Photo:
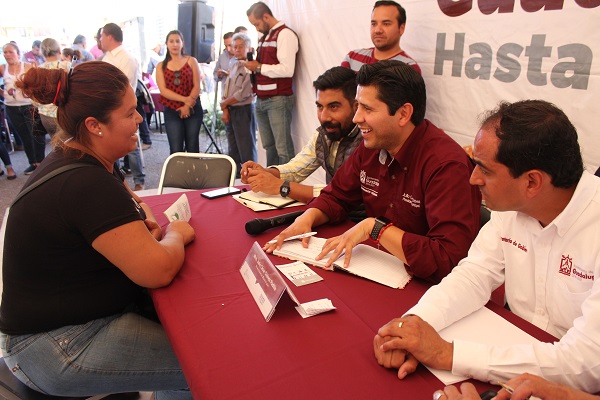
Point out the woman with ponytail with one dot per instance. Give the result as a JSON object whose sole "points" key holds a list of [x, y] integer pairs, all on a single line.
{"points": [[81, 248]]}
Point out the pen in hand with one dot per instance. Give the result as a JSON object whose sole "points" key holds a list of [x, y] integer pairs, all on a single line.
{"points": [[505, 387]]}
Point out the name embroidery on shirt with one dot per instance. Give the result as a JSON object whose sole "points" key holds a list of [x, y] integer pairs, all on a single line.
{"points": [[515, 243], [566, 268], [368, 184], [411, 200]]}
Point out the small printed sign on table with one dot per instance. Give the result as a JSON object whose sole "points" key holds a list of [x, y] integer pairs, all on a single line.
{"points": [[267, 286]]}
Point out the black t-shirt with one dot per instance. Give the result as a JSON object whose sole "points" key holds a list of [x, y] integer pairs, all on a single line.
{"points": [[52, 275]]}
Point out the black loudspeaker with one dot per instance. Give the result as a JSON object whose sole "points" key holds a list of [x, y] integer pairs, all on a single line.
{"points": [[196, 24]]}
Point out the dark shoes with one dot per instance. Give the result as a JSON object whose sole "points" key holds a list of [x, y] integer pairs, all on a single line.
{"points": [[29, 170], [9, 177]]}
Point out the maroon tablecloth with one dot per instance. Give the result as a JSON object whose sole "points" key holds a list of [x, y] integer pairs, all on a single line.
{"points": [[228, 351]]}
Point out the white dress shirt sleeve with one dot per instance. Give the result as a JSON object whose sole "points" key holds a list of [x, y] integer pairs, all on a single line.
{"points": [[287, 47], [573, 360]]}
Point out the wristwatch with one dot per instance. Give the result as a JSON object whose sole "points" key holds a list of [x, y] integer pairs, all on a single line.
{"points": [[258, 68], [380, 224], [284, 190]]}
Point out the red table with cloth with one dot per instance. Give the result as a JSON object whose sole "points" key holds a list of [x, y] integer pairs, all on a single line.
{"points": [[228, 351]]}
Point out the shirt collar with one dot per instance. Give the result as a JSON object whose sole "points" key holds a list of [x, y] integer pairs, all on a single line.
{"points": [[277, 25], [587, 188], [116, 50], [407, 151]]}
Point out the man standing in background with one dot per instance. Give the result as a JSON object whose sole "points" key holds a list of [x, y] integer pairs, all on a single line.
{"points": [[34, 56], [97, 49], [112, 39], [222, 66], [388, 21], [79, 44], [273, 70]]}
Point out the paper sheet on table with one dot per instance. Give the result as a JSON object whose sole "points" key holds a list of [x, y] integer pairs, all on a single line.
{"points": [[311, 308], [179, 210], [315, 307], [299, 273], [256, 206], [483, 326]]}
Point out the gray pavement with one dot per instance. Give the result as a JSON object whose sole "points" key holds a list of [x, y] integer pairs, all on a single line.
{"points": [[154, 158]]}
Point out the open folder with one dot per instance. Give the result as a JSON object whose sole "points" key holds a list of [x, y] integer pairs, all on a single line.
{"points": [[366, 262]]}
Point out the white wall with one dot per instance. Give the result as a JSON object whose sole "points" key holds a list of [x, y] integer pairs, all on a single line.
{"points": [[329, 29]]}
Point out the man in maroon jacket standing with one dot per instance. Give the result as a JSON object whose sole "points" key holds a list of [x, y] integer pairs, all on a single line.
{"points": [[412, 178]]}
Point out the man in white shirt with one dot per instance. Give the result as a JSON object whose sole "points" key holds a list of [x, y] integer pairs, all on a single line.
{"points": [[115, 54], [541, 241], [273, 71]]}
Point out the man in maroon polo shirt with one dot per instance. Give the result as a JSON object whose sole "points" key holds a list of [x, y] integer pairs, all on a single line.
{"points": [[412, 178]]}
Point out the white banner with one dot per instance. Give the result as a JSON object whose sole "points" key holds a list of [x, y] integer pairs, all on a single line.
{"points": [[472, 54]]}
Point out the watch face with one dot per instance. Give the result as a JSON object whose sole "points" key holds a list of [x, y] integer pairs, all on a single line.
{"points": [[284, 190]]}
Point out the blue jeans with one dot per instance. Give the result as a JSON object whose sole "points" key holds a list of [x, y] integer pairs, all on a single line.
{"points": [[183, 134], [241, 135], [4, 155], [274, 118], [143, 126], [120, 353], [137, 169]]}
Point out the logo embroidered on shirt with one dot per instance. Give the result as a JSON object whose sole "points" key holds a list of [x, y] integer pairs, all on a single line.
{"points": [[566, 264], [368, 184], [367, 180], [566, 268]]}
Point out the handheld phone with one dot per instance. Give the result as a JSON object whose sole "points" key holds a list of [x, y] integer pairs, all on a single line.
{"points": [[250, 56], [226, 191]]}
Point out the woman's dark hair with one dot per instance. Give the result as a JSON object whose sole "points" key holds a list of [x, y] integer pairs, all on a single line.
{"points": [[397, 83], [69, 52], [535, 134], [91, 89], [168, 55]]}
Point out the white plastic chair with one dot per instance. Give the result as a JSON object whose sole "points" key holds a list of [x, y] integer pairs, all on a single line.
{"points": [[197, 171]]}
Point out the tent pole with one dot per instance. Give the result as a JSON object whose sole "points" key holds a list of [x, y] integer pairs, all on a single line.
{"points": [[214, 117]]}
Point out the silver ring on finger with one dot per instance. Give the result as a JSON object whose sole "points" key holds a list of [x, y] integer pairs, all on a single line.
{"points": [[438, 394]]}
